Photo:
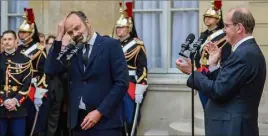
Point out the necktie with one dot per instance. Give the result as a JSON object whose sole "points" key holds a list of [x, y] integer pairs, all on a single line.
{"points": [[85, 54]]}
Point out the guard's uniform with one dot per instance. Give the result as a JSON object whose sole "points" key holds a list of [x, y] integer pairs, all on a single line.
{"points": [[204, 34], [36, 52], [135, 55], [215, 35], [15, 80], [137, 65]]}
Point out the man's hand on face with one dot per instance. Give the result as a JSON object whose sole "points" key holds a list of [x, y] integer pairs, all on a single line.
{"points": [[60, 30], [185, 67]]}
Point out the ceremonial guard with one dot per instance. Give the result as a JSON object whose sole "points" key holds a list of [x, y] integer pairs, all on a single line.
{"points": [[213, 20], [135, 55], [15, 80], [31, 48]]}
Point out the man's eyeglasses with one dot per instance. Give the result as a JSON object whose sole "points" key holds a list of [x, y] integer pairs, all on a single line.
{"points": [[228, 25]]}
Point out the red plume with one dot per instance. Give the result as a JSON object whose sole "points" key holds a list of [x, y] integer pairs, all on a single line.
{"points": [[30, 15], [129, 9], [217, 4]]}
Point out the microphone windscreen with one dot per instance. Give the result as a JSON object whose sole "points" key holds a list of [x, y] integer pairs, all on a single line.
{"points": [[190, 38]]}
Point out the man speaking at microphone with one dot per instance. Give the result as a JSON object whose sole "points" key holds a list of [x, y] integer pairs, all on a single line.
{"points": [[98, 78], [234, 95]]}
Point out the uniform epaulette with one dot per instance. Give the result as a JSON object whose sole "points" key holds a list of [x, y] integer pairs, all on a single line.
{"points": [[138, 41], [40, 46]]}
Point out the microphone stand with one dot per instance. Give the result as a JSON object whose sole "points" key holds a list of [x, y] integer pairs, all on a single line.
{"points": [[69, 92], [67, 65], [193, 52], [192, 56], [69, 74]]}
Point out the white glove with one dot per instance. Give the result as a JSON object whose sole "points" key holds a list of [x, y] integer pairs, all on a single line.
{"points": [[138, 98], [37, 103], [34, 81], [140, 89], [40, 92]]}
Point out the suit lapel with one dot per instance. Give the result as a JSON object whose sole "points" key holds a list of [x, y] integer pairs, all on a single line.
{"points": [[95, 51]]}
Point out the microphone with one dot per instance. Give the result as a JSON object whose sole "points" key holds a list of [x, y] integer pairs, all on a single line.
{"points": [[185, 46], [74, 51], [64, 51], [68, 52], [199, 42]]}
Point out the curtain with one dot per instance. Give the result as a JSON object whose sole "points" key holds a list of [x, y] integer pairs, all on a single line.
{"points": [[149, 29], [16, 7], [149, 26], [183, 23]]}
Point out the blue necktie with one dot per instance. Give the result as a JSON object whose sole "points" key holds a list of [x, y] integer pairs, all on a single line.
{"points": [[85, 55]]}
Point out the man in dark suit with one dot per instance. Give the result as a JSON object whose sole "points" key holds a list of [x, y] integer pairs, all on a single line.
{"points": [[235, 93], [99, 78]]}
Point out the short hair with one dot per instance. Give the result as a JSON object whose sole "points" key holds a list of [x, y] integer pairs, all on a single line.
{"points": [[245, 18], [80, 14], [49, 37], [41, 34], [10, 32]]}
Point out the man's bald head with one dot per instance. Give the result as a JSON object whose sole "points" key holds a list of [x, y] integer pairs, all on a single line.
{"points": [[244, 17], [79, 14]]}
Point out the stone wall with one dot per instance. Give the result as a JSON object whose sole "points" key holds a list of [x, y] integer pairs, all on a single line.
{"points": [[168, 99], [101, 14]]}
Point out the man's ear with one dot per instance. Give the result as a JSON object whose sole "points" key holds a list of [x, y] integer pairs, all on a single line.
{"points": [[240, 27]]}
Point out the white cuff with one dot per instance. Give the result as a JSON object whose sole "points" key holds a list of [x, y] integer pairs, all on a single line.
{"points": [[212, 69]]}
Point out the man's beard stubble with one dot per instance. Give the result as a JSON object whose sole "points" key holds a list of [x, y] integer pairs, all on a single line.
{"points": [[83, 38]]}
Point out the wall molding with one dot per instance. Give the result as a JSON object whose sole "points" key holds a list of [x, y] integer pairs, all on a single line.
{"points": [[168, 82]]}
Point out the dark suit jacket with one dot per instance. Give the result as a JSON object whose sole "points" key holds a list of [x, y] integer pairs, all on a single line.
{"points": [[234, 95], [102, 85]]}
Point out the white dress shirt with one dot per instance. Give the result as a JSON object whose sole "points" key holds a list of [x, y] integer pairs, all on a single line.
{"points": [[91, 43]]}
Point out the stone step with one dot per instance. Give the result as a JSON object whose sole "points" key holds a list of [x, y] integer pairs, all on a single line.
{"points": [[263, 115], [185, 128], [263, 129], [156, 132], [199, 120], [263, 118]]}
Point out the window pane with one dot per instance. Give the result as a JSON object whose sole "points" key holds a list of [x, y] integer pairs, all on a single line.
{"points": [[14, 23], [155, 4], [185, 4], [149, 29], [17, 6], [183, 23]]}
